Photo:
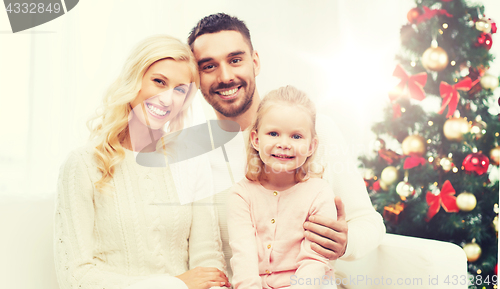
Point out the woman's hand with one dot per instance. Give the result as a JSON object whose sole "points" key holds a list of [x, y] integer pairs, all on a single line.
{"points": [[204, 278]]}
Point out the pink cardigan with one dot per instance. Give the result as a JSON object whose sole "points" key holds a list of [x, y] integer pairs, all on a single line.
{"points": [[266, 233]]}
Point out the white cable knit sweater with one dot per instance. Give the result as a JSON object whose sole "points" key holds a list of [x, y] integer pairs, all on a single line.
{"points": [[138, 235]]}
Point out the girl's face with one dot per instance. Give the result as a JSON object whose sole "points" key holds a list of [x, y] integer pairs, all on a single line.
{"points": [[163, 90], [284, 139]]}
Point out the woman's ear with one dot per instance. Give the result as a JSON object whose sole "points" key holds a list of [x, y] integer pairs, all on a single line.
{"points": [[313, 146], [254, 139]]}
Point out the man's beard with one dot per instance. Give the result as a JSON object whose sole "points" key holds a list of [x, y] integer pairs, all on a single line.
{"points": [[226, 108]]}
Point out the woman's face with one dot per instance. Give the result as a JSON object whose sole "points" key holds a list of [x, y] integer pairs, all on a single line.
{"points": [[164, 88]]}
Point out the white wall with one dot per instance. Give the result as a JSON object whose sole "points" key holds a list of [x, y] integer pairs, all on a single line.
{"points": [[52, 77]]}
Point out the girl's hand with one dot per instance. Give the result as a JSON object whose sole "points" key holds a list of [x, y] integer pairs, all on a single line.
{"points": [[204, 278]]}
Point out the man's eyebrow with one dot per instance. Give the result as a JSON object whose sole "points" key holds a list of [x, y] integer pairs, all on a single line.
{"points": [[232, 54], [204, 60], [236, 53]]}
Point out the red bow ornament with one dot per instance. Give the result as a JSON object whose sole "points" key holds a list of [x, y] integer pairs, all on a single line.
{"points": [[493, 26], [450, 94], [428, 14], [445, 198], [413, 160], [415, 84]]}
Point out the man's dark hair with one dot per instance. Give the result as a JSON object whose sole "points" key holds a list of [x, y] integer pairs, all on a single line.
{"points": [[219, 22]]}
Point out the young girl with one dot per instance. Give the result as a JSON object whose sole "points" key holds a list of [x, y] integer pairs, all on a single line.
{"points": [[119, 224], [267, 210]]}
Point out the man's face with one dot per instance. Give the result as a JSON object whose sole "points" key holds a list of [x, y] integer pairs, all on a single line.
{"points": [[227, 71]]}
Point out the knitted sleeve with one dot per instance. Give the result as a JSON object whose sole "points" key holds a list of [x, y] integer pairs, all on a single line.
{"points": [[365, 226], [74, 240]]}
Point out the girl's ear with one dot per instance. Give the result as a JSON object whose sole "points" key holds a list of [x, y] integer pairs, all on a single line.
{"points": [[313, 146], [254, 139]]}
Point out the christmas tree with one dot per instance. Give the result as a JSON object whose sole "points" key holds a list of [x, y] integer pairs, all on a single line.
{"points": [[440, 178]]}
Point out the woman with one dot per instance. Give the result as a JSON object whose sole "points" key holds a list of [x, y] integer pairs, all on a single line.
{"points": [[119, 224]]}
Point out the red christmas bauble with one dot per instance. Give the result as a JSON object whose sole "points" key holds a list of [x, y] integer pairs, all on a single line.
{"points": [[476, 162], [413, 14], [484, 40]]}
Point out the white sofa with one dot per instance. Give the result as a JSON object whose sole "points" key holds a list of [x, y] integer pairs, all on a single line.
{"points": [[26, 255]]}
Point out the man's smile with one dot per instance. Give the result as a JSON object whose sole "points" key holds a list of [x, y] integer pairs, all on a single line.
{"points": [[228, 94]]}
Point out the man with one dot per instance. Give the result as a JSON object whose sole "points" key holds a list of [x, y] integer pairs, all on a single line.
{"points": [[228, 65]]}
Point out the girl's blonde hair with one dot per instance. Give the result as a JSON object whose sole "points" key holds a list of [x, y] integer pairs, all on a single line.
{"points": [[113, 116], [291, 96]]}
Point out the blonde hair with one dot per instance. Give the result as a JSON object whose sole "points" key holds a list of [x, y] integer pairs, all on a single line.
{"points": [[112, 117], [287, 95]]}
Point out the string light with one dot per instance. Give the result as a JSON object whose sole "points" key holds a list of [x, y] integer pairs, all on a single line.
{"points": [[453, 62], [445, 25], [413, 64], [455, 170], [403, 109], [431, 159], [440, 31], [429, 141], [430, 123]]}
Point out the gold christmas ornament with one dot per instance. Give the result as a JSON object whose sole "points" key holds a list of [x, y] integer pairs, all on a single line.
{"points": [[368, 174], [383, 185], [446, 164], [478, 128], [495, 223], [405, 189], [495, 155], [389, 175], [414, 144], [466, 201], [472, 251], [435, 58], [455, 128], [489, 81], [483, 25]]}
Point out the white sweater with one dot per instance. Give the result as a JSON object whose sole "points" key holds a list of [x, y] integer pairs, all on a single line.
{"points": [[365, 226], [138, 235]]}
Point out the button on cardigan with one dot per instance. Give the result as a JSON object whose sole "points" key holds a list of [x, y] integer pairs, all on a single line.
{"points": [[266, 233]]}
